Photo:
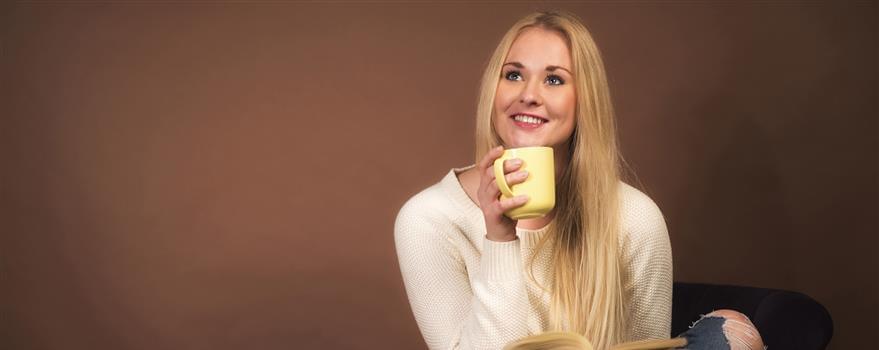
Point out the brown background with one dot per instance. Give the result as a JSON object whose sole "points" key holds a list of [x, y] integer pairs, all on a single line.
{"points": [[226, 176]]}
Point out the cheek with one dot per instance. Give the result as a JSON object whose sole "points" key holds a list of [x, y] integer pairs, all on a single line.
{"points": [[571, 111], [564, 106], [502, 101], [571, 100], [502, 98]]}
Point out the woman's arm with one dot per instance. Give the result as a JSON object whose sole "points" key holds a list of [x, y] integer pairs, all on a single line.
{"points": [[649, 259], [451, 312]]}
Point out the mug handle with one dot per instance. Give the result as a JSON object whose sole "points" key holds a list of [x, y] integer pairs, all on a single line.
{"points": [[500, 179]]}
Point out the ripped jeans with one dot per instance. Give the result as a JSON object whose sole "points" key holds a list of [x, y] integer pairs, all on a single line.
{"points": [[719, 330]]}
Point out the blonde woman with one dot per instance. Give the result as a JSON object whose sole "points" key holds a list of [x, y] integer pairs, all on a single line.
{"points": [[598, 265]]}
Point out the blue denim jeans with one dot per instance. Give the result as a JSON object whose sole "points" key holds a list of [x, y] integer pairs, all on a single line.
{"points": [[707, 334]]}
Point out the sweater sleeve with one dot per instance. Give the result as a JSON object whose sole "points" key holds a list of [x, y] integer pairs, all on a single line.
{"points": [[453, 311], [650, 262]]}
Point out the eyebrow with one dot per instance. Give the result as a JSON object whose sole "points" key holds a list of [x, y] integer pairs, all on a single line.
{"points": [[548, 68]]}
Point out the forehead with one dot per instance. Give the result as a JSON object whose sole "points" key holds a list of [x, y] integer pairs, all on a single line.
{"points": [[538, 48]]}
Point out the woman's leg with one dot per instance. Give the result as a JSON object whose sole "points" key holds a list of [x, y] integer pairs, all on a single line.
{"points": [[723, 329]]}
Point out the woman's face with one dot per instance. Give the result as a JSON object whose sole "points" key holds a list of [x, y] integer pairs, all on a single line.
{"points": [[535, 100]]}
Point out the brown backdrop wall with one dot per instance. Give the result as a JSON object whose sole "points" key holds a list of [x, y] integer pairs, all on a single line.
{"points": [[226, 176]]}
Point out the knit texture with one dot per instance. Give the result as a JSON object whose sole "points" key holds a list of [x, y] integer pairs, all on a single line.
{"points": [[468, 292]]}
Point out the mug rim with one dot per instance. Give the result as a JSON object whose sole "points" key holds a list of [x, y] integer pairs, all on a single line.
{"points": [[526, 147]]}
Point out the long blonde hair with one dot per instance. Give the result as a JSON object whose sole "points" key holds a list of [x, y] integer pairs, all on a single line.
{"points": [[586, 288]]}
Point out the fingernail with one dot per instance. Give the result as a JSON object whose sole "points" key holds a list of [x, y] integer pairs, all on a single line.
{"points": [[516, 161], [523, 174], [523, 198]]}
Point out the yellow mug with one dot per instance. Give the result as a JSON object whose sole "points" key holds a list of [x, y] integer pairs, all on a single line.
{"points": [[539, 186]]}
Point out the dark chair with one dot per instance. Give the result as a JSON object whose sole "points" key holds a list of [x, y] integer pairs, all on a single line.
{"points": [[785, 319]]}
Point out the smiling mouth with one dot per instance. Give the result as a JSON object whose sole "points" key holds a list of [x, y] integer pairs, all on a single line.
{"points": [[528, 121]]}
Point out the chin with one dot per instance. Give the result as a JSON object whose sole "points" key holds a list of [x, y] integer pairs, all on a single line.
{"points": [[518, 143]]}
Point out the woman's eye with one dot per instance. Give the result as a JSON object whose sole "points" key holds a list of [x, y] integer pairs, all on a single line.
{"points": [[513, 75], [554, 80]]}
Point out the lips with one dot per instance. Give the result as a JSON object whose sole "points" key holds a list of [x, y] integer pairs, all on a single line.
{"points": [[528, 121]]}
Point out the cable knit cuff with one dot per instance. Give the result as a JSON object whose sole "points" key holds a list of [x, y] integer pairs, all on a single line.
{"points": [[501, 261]]}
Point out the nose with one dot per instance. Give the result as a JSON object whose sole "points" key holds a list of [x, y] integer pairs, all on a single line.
{"points": [[530, 94]]}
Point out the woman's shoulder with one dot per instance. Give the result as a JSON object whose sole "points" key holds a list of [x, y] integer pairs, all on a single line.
{"points": [[440, 203], [429, 200], [641, 217]]}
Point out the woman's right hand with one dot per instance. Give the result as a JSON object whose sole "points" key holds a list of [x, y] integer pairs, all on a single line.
{"points": [[498, 227]]}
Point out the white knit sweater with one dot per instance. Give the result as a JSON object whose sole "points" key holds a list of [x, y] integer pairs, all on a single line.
{"points": [[468, 292]]}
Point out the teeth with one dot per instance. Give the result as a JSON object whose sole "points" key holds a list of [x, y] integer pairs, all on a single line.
{"points": [[528, 119]]}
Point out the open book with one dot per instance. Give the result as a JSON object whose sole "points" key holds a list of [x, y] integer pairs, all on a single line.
{"points": [[574, 341]]}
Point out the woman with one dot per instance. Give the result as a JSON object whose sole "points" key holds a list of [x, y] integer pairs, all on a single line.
{"points": [[598, 265]]}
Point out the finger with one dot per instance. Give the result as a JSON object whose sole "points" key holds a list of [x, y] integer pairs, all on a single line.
{"points": [[510, 165], [516, 177], [487, 177], [488, 158], [510, 203], [492, 190], [488, 173], [488, 193]]}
